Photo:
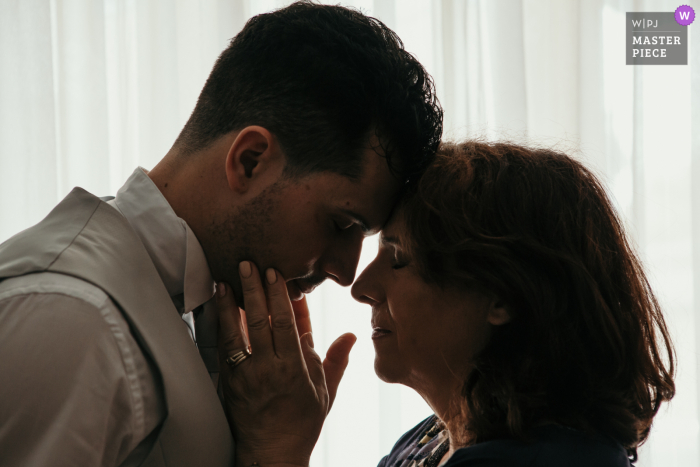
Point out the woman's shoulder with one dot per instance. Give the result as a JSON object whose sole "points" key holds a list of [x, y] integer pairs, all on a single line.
{"points": [[551, 445]]}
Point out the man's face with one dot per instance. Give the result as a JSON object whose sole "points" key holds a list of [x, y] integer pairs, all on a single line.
{"points": [[309, 228]]}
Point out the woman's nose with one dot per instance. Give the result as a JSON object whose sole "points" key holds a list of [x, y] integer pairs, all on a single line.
{"points": [[366, 289]]}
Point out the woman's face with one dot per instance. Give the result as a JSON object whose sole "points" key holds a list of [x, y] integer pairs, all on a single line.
{"points": [[423, 334]]}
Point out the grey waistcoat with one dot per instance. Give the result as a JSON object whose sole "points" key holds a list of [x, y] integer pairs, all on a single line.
{"points": [[88, 239]]}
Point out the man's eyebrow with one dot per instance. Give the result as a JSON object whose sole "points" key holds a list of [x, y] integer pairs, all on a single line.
{"points": [[359, 219]]}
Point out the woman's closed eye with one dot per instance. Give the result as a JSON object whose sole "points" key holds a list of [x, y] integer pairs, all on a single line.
{"points": [[391, 248], [399, 261]]}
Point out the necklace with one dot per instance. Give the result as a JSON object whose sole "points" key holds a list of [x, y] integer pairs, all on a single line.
{"points": [[436, 456]]}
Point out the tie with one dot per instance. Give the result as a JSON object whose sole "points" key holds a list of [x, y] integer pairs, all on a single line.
{"points": [[205, 329]]}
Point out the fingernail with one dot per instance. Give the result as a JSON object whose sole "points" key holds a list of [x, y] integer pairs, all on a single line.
{"points": [[221, 289], [311, 339], [271, 276], [245, 269]]}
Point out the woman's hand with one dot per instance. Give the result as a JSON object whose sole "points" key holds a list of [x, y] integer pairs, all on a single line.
{"points": [[278, 398]]}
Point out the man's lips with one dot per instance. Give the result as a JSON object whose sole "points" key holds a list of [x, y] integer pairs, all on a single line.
{"points": [[296, 290]]}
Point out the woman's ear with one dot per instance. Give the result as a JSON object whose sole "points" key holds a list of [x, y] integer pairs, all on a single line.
{"points": [[499, 312], [253, 156]]}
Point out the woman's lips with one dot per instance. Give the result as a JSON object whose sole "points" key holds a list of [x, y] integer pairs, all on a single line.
{"points": [[378, 333]]}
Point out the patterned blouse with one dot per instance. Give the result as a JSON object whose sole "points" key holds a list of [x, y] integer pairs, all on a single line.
{"points": [[550, 446], [422, 446]]}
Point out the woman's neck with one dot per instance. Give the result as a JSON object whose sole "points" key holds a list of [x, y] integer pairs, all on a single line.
{"points": [[449, 406]]}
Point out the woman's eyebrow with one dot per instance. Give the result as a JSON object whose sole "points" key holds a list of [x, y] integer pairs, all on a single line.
{"points": [[389, 240], [358, 219]]}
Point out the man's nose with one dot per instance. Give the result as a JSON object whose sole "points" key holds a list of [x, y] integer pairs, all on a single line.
{"points": [[342, 261]]}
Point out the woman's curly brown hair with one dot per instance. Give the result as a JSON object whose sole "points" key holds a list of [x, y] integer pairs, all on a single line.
{"points": [[587, 346]]}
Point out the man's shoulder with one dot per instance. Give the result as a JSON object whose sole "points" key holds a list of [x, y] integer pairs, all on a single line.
{"points": [[59, 285], [60, 325], [72, 366], [37, 247], [55, 312]]}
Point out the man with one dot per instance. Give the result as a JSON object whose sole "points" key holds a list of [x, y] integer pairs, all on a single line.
{"points": [[307, 128]]}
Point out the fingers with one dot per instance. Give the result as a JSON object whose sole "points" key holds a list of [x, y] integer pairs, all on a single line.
{"points": [[302, 316], [270, 318], [231, 337], [284, 330], [337, 358], [313, 363], [256, 313]]}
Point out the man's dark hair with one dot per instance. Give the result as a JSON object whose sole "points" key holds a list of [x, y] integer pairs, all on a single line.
{"points": [[322, 79]]}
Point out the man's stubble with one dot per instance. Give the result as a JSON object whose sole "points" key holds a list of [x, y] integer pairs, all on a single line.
{"points": [[244, 234]]}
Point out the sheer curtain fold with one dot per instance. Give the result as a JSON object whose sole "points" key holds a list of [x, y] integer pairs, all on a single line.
{"points": [[695, 197], [28, 183], [80, 90], [91, 88]]}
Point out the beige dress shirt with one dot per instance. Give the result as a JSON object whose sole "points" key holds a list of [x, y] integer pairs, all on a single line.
{"points": [[76, 388]]}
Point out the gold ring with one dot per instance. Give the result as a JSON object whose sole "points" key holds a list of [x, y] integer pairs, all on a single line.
{"points": [[234, 360]]}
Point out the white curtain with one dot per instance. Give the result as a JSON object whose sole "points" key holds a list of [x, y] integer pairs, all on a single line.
{"points": [[89, 89]]}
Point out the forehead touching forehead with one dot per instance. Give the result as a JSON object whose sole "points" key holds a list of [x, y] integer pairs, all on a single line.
{"points": [[394, 232]]}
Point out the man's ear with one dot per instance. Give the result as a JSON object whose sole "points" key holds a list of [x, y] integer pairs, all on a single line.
{"points": [[499, 312], [254, 157]]}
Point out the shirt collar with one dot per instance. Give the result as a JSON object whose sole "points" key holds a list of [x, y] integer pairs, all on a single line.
{"points": [[169, 241]]}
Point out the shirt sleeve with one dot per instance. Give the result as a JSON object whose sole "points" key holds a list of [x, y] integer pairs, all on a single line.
{"points": [[75, 387]]}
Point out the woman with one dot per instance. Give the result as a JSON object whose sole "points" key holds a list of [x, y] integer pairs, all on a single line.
{"points": [[506, 293]]}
